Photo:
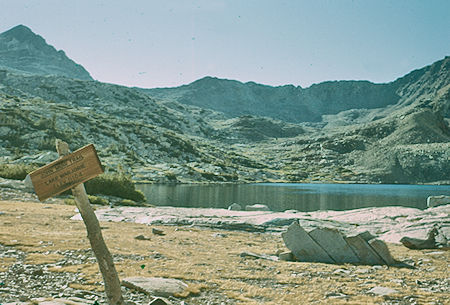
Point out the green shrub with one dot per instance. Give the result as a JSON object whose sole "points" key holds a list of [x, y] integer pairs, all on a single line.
{"points": [[15, 171], [70, 201], [119, 185], [92, 199], [98, 200], [127, 202], [131, 203], [171, 176]]}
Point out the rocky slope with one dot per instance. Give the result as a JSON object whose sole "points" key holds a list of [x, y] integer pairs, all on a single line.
{"points": [[412, 145], [148, 139], [23, 50], [255, 129], [333, 131]]}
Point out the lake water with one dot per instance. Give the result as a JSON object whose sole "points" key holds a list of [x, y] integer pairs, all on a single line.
{"points": [[297, 196]]}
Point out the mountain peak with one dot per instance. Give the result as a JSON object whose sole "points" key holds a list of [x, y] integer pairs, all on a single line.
{"points": [[19, 31], [24, 34], [26, 51]]}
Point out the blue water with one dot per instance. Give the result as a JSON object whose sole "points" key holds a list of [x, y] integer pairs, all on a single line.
{"points": [[286, 196]]}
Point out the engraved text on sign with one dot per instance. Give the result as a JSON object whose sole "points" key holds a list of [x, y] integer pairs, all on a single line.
{"points": [[66, 172]]}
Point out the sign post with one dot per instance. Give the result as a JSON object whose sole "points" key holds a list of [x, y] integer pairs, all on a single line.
{"points": [[69, 172]]}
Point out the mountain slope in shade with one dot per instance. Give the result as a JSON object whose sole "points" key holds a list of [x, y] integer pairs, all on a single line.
{"points": [[23, 50], [287, 103]]}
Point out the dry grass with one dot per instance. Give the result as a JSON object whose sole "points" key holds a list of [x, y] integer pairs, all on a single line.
{"points": [[210, 263], [6, 262]]}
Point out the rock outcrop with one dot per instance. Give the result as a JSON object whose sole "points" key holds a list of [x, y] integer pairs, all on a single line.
{"points": [[433, 201], [431, 242], [256, 129], [389, 224], [327, 245], [156, 286]]}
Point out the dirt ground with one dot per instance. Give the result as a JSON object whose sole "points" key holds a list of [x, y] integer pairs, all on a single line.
{"points": [[210, 262]]}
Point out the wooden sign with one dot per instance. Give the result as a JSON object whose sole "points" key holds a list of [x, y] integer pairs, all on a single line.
{"points": [[66, 172]]}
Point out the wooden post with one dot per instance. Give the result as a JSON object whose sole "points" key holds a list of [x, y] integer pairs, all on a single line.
{"points": [[104, 258]]}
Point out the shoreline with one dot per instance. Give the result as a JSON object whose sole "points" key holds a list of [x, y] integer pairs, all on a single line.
{"points": [[389, 224], [135, 181]]}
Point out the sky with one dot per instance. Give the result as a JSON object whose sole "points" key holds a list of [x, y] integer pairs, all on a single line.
{"points": [[167, 43]]}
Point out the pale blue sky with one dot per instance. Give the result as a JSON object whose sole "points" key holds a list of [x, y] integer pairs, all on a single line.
{"points": [[149, 43]]}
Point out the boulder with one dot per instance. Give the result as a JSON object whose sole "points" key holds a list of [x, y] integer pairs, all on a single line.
{"points": [[156, 286], [365, 253], [141, 237], [328, 245], [417, 243], [433, 201], [332, 241], [261, 256], [303, 247], [158, 231], [286, 256], [383, 251], [366, 235], [382, 291], [159, 301], [28, 184], [257, 207], [235, 207]]}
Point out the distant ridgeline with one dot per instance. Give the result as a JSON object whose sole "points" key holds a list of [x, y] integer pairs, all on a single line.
{"points": [[296, 104], [219, 130]]}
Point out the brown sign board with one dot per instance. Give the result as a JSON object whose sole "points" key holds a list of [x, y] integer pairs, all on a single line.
{"points": [[66, 172]]}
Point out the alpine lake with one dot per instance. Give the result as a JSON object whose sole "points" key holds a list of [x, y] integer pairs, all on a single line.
{"points": [[292, 196]]}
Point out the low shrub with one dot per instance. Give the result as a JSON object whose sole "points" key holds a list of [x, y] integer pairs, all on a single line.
{"points": [[15, 171], [171, 176], [127, 202], [112, 184], [98, 200], [118, 185], [92, 199], [70, 201]]}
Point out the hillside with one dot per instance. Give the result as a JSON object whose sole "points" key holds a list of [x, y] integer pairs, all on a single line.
{"points": [[128, 127], [225, 131], [168, 142]]}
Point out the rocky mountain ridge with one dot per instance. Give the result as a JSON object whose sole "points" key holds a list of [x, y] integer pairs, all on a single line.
{"points": [[287, 103], [351, 131], [296, 104]]}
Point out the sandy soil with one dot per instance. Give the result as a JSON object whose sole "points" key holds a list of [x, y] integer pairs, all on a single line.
{"points": [[209, 261]]}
